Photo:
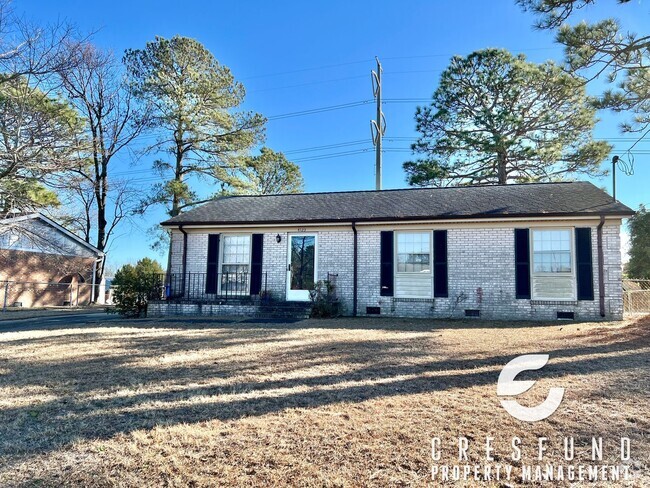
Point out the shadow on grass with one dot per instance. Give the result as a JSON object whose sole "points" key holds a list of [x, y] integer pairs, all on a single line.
{"points": [[218, 322], [104, 394]]}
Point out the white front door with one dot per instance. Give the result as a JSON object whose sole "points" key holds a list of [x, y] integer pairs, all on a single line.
{"points": [[301, 266]]}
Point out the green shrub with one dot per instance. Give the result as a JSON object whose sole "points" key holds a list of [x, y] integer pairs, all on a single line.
{"points": [[136, 285], [325, 304]]}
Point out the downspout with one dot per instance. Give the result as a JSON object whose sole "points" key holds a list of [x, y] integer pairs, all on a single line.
{"points": [[354, 271], [601, 266], [184, 262]]}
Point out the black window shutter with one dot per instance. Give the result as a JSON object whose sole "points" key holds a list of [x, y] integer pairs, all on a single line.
{"points": [[256, 263], [584, 266], [212, 273], [440, 273], [387, 259], [522, 263]]}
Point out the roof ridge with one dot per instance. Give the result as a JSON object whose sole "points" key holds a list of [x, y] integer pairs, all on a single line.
{"points": [[525, 199], [460, 187]]}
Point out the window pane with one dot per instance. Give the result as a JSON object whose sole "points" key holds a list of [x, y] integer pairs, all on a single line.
{"points": [[235, 254], [414, 252], [303, 261], [552, 251], [235, 265], [234, 280]]}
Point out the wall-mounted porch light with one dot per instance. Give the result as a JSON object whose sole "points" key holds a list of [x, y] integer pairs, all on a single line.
{"points": [[278, 238]]}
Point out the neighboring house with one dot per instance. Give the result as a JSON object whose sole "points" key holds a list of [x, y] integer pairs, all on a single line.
{"points": [[529, 251], [44, 264]]}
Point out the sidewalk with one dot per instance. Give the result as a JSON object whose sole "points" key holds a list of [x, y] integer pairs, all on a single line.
{"points": [[29, 313]]}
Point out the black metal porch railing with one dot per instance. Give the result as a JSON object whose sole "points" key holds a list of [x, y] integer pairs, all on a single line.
{"points": [[208, 287]]}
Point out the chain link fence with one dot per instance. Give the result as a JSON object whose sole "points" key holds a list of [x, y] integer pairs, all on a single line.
{"points": [[636, 296]]}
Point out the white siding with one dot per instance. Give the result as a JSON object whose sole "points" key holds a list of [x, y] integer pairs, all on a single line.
{"points": [[34, 235]]}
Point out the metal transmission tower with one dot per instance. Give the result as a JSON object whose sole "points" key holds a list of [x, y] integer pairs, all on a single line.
{"points": [[378, 126]]}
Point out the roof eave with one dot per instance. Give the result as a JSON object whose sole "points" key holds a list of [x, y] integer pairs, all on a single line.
{"points": [[618, 214], [56, 226]]}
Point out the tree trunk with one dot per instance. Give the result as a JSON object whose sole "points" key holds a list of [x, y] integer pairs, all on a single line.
{"points": [[178, 171], [502, 165], [101, 183], [178, 176]]}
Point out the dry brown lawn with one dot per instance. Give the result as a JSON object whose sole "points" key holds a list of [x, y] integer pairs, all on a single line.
{"points": [[317, 403]]}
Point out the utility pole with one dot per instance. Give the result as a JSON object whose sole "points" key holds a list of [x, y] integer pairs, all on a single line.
{"points": [[378, 126], [614, 161]]}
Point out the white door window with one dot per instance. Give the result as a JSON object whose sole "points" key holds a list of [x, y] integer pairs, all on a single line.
{"points": [[301, 266]]}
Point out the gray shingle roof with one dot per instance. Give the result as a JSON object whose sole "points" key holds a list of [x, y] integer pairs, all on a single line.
{"points": [[525, 200]]}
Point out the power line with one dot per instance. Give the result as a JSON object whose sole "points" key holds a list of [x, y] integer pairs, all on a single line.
{"points": [[358, 142], [320, 157], [333, 155], [302, 70], [422, 56], [319, 110], [151, 171], [367, 60], [406, 100], [307, 84], [414, 71], [343, 106], [329, 146], [157, 179]]}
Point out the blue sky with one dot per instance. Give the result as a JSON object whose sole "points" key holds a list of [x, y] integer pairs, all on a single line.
{"points": [[295, 56]]}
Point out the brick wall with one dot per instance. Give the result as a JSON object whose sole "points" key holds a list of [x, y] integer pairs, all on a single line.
{"points": [[35, 279], [274, 264], [335, 256], [161, 309], [481, 274]]}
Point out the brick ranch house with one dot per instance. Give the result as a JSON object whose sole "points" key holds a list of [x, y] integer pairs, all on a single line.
{"points": [[43, 264], [528, 251]]}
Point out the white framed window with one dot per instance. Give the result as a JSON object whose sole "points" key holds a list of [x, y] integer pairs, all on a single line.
{"points": [[413, 264], [413, 252], [235, 264], [552, 264], [552, 251]]}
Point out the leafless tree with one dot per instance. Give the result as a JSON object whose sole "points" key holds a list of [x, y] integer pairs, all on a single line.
{"points": [[96, 87], [31, 50]]}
